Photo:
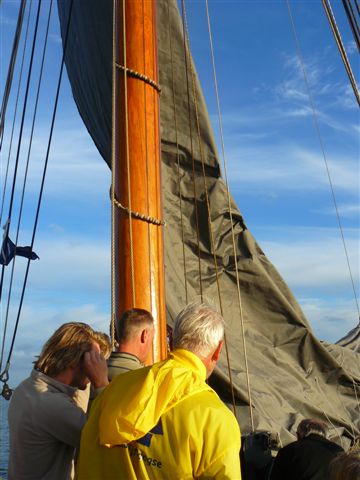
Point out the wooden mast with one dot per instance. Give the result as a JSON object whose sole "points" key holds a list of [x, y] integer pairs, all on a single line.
{"points": [[138, 243]]}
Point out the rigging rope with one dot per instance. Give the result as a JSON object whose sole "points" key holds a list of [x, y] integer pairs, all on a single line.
{"points": [[352, 21], [212, 243], [113, 173], [25, 178], [133, 291], [21, 131], [321, 142], [11, 68], [340, 44], [4, 375], [231, 217], [187, 59], [177, 157], [15, 114]]}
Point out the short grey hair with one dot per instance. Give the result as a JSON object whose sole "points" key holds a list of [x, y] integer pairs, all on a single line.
{"points": [[198, 328]]}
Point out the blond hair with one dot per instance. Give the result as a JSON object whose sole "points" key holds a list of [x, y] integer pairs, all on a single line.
{"points": [[66, 347], [346, 466]]}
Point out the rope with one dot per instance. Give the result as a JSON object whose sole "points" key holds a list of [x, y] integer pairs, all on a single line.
{"points": [[231, 219], [42, 181], [317, 128], [339, 42], [352, 21], [21, 130], [128, 162], [15, 113], [331, 407], [25, 177], [11, 68], [178, 159], [188, 60], [113, 173], [139, 216], [147, 218], [212, 243], [139, 76]]}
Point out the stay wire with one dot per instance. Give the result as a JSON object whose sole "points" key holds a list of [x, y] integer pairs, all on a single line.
{"points": [[11, 69], [25, 177], [41, 189], [187, 60], [113, 172], [340, 45], [177, 156], [21, 130], [211, 233], [231, 218], [352, 21], [133, 291], [147, 164], [321, 142], [15, 112]]}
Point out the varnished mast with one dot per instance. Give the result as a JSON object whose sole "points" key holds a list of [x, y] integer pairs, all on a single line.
{"points": [[139, 271]]}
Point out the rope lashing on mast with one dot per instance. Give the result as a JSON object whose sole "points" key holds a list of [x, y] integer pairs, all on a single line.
{"points": [[139, 76], [322, 146], [139, 216], [340, 45]]}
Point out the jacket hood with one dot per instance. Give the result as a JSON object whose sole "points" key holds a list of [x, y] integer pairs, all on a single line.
{"points": [[133, 402]]}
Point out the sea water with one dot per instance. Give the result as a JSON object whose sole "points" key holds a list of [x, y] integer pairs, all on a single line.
{"points": [[4, 438]]}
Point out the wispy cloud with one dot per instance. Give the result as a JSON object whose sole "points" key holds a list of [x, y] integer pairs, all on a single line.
{"points": [[329, 320], [315, 259], [346, 210], [289, 167]]}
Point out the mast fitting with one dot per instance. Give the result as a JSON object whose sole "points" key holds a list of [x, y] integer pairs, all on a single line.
{"points": [[139, 76], [139, 216]]}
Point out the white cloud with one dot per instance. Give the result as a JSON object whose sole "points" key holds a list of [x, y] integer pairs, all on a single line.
{"points": [[290, 167], [330, 321], [346, 210], [315, 259]]}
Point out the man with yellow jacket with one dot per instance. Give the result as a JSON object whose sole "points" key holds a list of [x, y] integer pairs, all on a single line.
{"points": [[164, 421]]}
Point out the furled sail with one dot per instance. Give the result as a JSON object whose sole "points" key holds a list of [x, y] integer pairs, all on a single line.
{"points": [[292, 374]]}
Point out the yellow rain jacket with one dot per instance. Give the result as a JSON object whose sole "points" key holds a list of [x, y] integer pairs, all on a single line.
{"points": [[160, 422]]}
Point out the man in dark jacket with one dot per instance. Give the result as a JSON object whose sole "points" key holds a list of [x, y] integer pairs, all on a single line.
{"points": [[309, 457]]}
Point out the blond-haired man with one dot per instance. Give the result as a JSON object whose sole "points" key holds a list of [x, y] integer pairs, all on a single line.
{"points": [[45, 414], [164, 421]]}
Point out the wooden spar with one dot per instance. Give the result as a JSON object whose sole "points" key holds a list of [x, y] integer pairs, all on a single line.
{"points": [[139, 270]]}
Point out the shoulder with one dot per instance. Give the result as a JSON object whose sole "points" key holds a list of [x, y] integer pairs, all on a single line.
{"points": [[207, 409]]}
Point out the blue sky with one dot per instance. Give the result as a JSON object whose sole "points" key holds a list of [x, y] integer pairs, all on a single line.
{"points": [[278, 176]]}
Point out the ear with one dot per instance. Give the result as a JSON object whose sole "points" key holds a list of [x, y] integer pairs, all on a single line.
{"points": [[216, 355], [143, 335]]}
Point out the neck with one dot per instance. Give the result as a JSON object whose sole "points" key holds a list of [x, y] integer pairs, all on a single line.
{"points": [[129, 347]]}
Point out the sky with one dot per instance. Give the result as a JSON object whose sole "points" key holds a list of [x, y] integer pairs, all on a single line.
{"points": [[278, 176]]}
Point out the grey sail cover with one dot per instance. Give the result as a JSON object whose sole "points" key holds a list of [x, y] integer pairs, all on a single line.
{"points": [[292, 374]]}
